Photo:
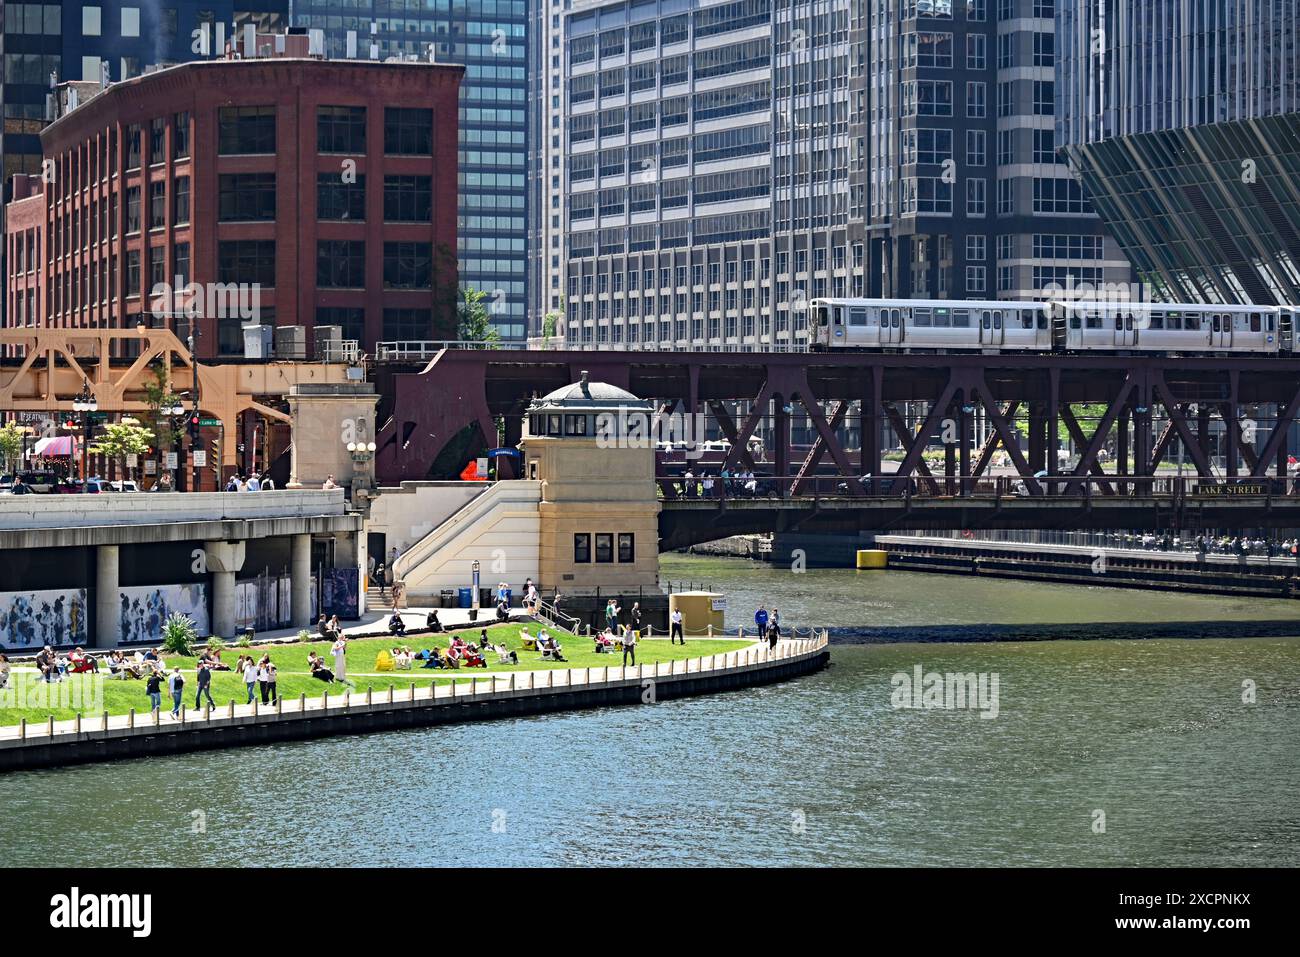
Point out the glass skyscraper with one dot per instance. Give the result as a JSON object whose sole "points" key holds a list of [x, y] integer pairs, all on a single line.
{"points": [[489, 38], [1182, 119]]}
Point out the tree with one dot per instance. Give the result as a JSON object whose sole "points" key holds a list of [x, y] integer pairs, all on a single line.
{"points": [[120, 439], [11, 445], [157, 393], [475, 322]]}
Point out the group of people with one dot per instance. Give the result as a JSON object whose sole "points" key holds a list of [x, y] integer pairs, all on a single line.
{"points": [[727, 482], [769, 625], [257, 673], [254, 483], [56, 667], [545, 642]]}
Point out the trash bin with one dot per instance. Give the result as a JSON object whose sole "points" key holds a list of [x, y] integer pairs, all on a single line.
{"points": [[466, 597], [473, 614], [448, 598]]}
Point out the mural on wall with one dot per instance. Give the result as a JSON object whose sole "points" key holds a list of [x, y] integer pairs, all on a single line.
{"points": [[35, 618], [340, 592], [145, 608]]}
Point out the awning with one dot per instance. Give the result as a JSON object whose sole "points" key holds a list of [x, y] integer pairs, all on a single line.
{"points": [[55, 446]]}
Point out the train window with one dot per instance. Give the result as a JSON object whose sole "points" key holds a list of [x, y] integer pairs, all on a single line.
{"points": [[1218, 323], [857, 317], [1191, 322], [997, 320], [960, 319], [839, 315], [821, 315], [1269, 324], [1157, 320], [1026, 319], [1256, 323], [942, 319], [1119, 322], [986, 320], [921, 317], [896, 318], [1042, 320], [1075, 321], [1093, 321]]}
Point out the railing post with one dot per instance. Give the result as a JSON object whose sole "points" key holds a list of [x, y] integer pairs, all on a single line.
{"points": [[390, 694], [49, 726], [22, 726], [104, 725], [302, 702], [79, 724], [230, 711]]}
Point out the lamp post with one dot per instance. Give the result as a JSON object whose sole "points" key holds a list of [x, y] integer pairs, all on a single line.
{"points": [[173, 409], [85, 403]]}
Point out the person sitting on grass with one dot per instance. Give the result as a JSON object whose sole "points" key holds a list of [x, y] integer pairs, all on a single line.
{"points": [[119, 666], [549, 647], [318, 669], [395, 624], [504, 655], [454, 654], [604, 642], [80, 662], [402, 658], [324, 630], [432, 659], [474, 657]]}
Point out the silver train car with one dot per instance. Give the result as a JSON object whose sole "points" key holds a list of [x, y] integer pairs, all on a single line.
{"points": [[946, 325]]}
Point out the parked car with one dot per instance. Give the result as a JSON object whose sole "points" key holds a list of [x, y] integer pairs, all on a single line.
{"points": [[123, 485]]}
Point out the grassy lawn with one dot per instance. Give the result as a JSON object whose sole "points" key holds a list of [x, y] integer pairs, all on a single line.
{"points": [[295, 677]]}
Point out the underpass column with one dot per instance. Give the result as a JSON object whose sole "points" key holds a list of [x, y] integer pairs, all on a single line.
{"points": [[107, 619], [224, 560], [300, 581]]}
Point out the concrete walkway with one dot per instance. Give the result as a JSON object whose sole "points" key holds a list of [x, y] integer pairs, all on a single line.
{"points": [[468, 684]]}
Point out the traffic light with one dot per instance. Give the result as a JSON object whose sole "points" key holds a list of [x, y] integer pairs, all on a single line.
{"points": [[194, 427]]}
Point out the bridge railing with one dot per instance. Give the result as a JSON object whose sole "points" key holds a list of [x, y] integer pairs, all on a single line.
{"points": [[411, 350], [714, 487]]}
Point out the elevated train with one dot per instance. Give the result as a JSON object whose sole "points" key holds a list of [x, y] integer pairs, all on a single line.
{"points": [[1057, 326]]}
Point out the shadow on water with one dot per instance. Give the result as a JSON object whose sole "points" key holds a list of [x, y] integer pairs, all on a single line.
{"points": [[1074, 631]]}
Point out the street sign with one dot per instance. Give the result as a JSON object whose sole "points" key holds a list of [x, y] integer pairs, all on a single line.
{"points": [[200, 458], [210, 423], [131, 459], [171, 461], [150, 467]]}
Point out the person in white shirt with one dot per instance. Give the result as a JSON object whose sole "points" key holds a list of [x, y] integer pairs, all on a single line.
{"points": [[340, 650], [253, 484], [250, 678], [629, 645], [677, 629]]}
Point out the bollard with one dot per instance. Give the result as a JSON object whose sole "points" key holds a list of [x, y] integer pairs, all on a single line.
{"points": [[255, 708], [368, 694], [22, 729], [710, 629], [412, 692], [588, 630], [230, 713], [207, 713], [453, 687], [49, 726], [511, 686], [78, 724], [473, 687], [182, 714], [390, 694], [302, 702], [279, 705], [157, 715], [325, 701], [130, 719], [104, 725]]}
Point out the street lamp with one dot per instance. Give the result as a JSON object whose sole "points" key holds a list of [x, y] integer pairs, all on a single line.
{"points": [[85, 403]]}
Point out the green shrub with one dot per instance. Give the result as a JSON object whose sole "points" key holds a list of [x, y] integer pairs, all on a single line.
{"points": [[304, 635], [244, 641], [216, 644], [178, 634]]}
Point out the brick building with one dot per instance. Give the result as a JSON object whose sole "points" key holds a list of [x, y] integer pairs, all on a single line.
{"points": [[282, 189]]}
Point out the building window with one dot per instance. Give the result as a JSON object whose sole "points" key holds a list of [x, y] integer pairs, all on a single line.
{"points": [[408, 199], [181, 263], [130, 21], [245, 197], [246, 261], [246, 130], [181, 136], [408, 131], [91, 27], [157, 141], [976, 147], [976, 51], [626, 547], [975, 196], [181, 200], [132, 273], [337, 200], [341, 129], [1044, 97], [408, 324], [604, 548], [340, 264], [133, 147], [582, 549], [351, 320], [133, 209], [408, 265], [158, 204], [977, 105]]}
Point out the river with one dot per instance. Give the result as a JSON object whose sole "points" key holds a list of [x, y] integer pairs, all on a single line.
{"points": [[1142, 751]]}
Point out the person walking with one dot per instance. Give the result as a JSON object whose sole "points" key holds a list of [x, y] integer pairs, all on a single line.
{"points": [[264, 678], [677, 627], [776, 620], [253, 484], [380, 572], [760, 620], [635, 615], [203, 682], [250, 678], [772, 636], [340, 650], [629, 645], [153, 688], [176, 685], [272, 678]]}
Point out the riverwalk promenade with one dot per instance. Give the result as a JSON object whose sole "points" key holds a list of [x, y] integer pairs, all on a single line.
{"points": [[107, 737]]}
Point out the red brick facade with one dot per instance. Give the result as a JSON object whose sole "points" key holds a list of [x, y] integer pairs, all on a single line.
{"points": [[108, 245]]}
